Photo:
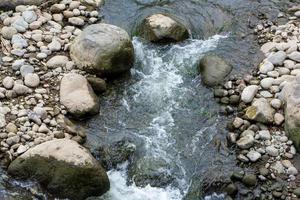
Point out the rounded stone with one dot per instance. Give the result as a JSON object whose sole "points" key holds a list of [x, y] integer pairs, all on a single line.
{"points": [[108, 50], [31, 80]]}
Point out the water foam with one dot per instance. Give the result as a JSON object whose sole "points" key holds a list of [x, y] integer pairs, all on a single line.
{"points": [[159, 73]]}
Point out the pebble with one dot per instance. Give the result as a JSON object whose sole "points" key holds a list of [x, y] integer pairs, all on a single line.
{"points": [[249, 93], [31, 80], [8, 82], [253, 155]]}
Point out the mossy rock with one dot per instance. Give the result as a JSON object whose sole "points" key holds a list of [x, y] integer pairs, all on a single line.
{"points": [[63, 176]]}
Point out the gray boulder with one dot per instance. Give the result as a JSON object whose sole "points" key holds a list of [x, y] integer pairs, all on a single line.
{"points": [[291, 97], [11, 4], [108, 50], [64, 168], [162, 28], [213, 70], [77, 96]]}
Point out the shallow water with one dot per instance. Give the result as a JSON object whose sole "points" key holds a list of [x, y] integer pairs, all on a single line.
{"points": [[163, 108], [169, 114]]}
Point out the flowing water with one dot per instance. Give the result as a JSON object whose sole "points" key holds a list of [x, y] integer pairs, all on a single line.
{"points": [[163, 108], [174, 117]]}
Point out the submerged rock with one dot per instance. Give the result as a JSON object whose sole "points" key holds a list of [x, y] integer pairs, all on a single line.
{"points": [[77, 96], [64, 168], [162, 28], [108, 50], [213, 70]]}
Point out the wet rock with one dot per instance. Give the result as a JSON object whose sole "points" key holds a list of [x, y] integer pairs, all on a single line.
{"points": [[261, 111], [77, 95], [231, 189], [98, 84], [108, 50], [249, 180], [249, 93], [159, 27], [64, 168], [245, 142], [115, 154], [297, 192], [213, 69]]}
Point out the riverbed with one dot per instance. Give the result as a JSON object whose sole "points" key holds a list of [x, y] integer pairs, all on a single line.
{"points": [[162, 107]]}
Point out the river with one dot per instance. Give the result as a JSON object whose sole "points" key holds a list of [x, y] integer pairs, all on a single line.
{"points": [[163, 108]]}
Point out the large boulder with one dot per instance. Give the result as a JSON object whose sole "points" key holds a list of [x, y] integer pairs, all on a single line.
{"points": [[10, 4], [103, 49], [213, 70], [64, 168], [261, 111], [291, 96], [77, 96], [161, 28]]}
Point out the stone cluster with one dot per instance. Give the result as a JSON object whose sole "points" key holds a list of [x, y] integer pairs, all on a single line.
{"points": [[267, 104], [35, 43]]}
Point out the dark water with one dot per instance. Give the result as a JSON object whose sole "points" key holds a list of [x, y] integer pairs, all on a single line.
{"points": [[163, 108]]}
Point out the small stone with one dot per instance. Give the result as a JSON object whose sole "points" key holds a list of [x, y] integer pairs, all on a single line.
{"points": [[272, 151], [21, 149], [29, 16], [31, 80], [231, 189], [11, 128], [26, 69], [292, 171], [263, 171], [297, 192], [245, 142], [295, 56], [76, 21], [266, 67], [266, 83], [43, 129], [249, 93], [8, 32], [57, 61], [278, 119], [277, 58], [253, 155], [8, 82], [20, 89], [249, 180], [57, 8], [276, 103], [54, 45], [238, 122], [264, 135]]}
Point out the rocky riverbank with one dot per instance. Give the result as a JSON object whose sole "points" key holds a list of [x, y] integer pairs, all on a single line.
{"points": [[40, 85], [265, 127]]}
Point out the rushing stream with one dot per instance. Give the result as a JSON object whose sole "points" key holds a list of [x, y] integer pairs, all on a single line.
{"points": [[163, 109], [174, 118]]}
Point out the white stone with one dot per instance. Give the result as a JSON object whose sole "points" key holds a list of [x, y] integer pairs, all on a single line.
{"points": [[253, 155], [249, 93]]}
